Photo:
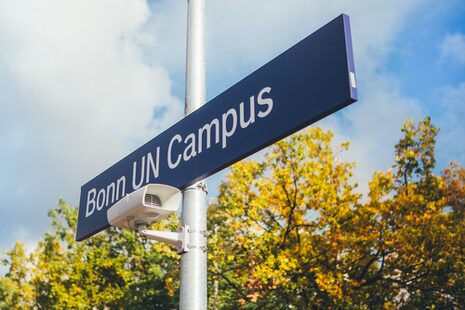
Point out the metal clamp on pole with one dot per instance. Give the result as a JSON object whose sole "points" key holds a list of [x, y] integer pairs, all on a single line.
{"points": [[198, 240], [181, 239], [199, 185]]}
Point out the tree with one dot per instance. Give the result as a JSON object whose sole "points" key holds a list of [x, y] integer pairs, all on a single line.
{"points": [[15, 291], [114, 269], [417, 236], [279, 226], [291, 232]]}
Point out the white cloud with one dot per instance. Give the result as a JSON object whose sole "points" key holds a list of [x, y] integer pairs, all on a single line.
{"points": [[453, 46], [76, 96]]}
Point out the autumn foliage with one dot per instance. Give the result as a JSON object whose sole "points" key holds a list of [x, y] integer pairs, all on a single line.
{"points": [[290, 231]]}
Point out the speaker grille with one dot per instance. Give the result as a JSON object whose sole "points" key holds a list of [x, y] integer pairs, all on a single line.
{"points": [[152, 200]]}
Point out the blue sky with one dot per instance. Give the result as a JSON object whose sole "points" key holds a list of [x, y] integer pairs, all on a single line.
{"points": [[85, 82]]}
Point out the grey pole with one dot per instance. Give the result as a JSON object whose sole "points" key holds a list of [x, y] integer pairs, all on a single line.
{"points": [[193, 292]]}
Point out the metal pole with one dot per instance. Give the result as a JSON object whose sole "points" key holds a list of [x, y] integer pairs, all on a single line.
{"points": [[193, 292]]}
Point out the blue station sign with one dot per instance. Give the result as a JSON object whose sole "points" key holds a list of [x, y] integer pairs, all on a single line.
{"points": [[309, 81]]}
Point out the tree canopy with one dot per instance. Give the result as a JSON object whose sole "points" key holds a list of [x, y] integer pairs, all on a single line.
{"points": [[115, 269], [289, 231]]}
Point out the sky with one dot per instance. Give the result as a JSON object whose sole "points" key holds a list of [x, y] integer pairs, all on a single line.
{"points": [[84, 83]]}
